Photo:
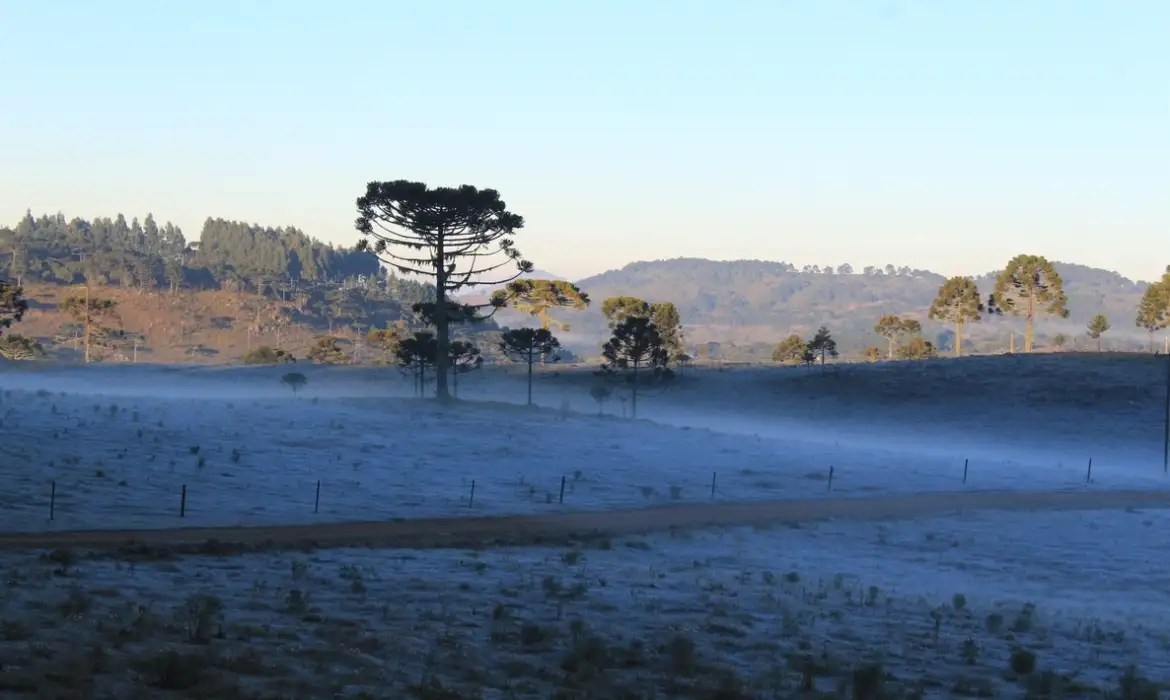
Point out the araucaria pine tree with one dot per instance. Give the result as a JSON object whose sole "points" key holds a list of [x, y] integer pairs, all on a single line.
{"points": [[957, 302], [635, 347], [537, 297], [529, 345], [464, 357], [460, 237], [1098, 325], [663, 314], [1028, 287], [893, 327], [415, 354], [1153, 312], [822, 345]]}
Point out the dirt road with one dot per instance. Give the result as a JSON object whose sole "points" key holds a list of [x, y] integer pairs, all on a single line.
{"points": [[547, 529]]}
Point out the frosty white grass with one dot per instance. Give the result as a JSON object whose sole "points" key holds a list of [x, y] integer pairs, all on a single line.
{"points": [[934, 608]]}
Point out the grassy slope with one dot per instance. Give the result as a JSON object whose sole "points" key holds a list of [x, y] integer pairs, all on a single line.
{"points": [[217, 320]]}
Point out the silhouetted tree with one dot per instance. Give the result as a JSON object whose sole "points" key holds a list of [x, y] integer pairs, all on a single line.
{"points": [[459, 237], [1029, 286], [463, 357], [1059, 341], [823, 345], [958, 303], [789, 350], [600, 393], [294, 381], [416, 353], [635, 347], [528, 345], [1097, 327], [664, 315]]}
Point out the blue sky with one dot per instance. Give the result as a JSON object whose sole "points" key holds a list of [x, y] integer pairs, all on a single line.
{"points": [[942, 134]]}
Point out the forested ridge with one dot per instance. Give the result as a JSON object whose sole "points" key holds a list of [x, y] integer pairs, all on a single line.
{"points": [[144, 254]]}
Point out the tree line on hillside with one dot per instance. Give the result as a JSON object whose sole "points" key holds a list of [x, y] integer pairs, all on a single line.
{"points": [[146, 255], [459, 238], [735, 303], [1028, 287]]}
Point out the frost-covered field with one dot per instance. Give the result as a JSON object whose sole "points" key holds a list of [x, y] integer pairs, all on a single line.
{"points": [[1053, 604], [935, 608], [120, 443]]}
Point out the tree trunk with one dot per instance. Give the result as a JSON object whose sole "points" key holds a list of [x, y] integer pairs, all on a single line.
{"points": [[958, 338], [1098, 343], [890, 350], [531, 360], [442, 322], [1028, 324], [634, 395]]}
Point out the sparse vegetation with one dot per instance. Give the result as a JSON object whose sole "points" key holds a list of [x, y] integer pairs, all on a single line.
{"points": [[295, 381]]}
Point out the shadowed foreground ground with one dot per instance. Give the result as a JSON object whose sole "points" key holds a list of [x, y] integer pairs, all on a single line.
{"points": [[544, 529]]}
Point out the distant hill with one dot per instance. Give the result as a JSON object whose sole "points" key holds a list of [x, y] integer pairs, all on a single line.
{"points": [[758, 302]]}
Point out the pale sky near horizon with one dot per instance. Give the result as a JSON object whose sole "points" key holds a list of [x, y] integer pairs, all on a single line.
{"points": [[948, 135]]}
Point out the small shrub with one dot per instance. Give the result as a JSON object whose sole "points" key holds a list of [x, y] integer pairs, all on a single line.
{"points": [[14, 631], [869, 682], [1024, 619], [76, 604], [1023, 661], [680, 650], [994, 623], [200, 614], [175, 671], [1134, 687], [970, 651], [297, 601], [532, 635], [959, 601]]}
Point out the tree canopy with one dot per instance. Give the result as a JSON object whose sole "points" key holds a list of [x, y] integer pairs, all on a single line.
{"points": [[789, 350], [537, 296], [635, 347], [460, 237], [146, 254], [1028, 286], [528, 345], [1153, 312], [894, 327], [822, 345], [958, 302]]}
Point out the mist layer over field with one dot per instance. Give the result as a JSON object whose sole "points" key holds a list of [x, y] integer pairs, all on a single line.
{"points": [[121, 441]]}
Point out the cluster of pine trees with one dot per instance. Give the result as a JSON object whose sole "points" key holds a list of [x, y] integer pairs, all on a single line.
{"points": [[107, 251], [1028, 287], [144, 254]]}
